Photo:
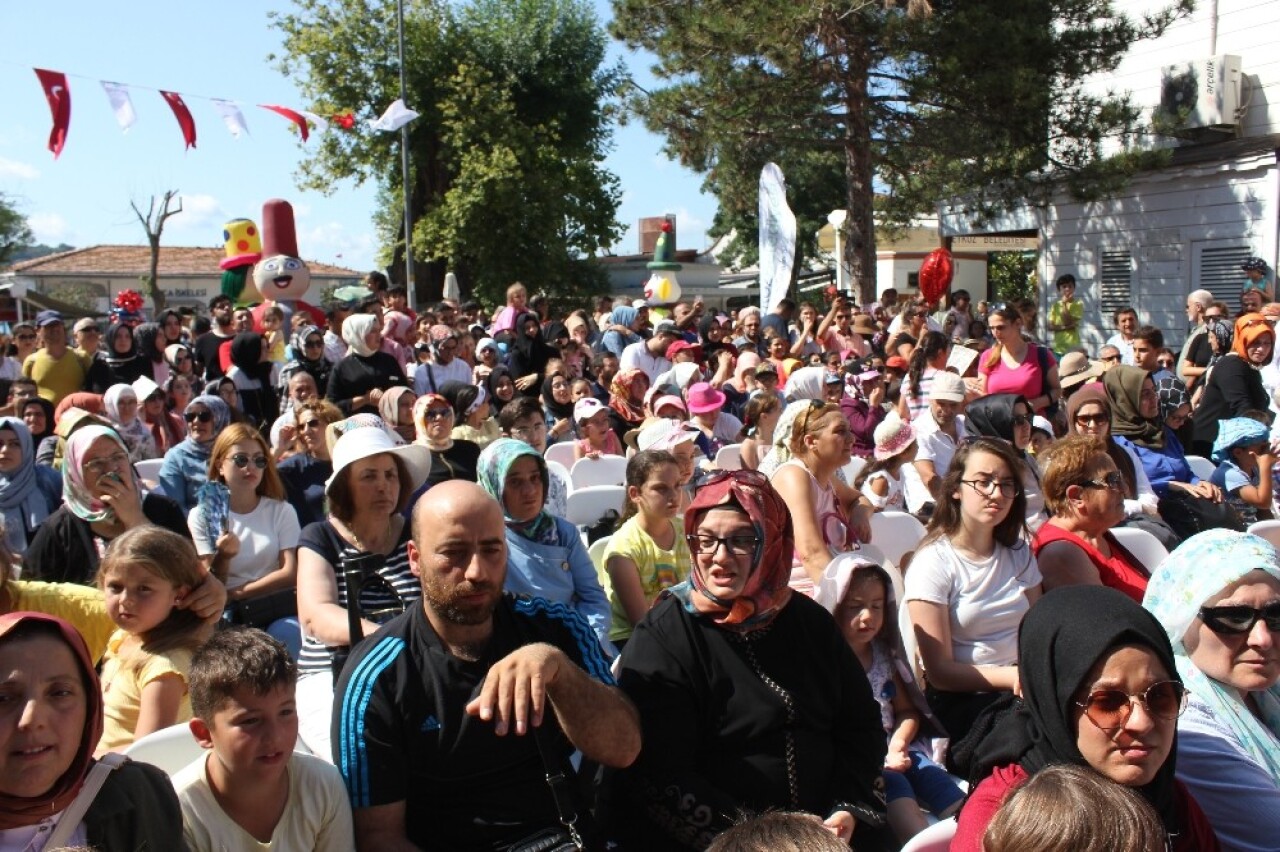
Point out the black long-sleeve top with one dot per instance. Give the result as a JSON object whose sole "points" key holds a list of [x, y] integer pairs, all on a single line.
{"points": [[356, 375], [1234, 387]]}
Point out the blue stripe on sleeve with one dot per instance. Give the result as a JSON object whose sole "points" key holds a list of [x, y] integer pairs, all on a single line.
{"points": [[593, 660], [353, 757]]}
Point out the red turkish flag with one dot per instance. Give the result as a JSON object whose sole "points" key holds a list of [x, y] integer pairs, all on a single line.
{"points": [[59, 97], [293, 116], [180, 112]]}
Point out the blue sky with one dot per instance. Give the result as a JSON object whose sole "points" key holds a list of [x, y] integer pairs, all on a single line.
{"points": [[218, 50]]}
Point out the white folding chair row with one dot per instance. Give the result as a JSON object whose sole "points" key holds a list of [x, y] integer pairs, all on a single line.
{"points": [[1270, 530], [896, 533], [604, 470], [1145, 547], [1201, 466], [852, 468], [729, 457], [589, 505], [561, 452]]}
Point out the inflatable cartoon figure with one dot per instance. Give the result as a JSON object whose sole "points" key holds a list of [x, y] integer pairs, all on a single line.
{"points": [[281, 276], [662, 287], [243, 248]]}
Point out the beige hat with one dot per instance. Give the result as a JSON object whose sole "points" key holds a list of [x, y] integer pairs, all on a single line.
{"points": [[863, 324], [1075, 367], [947, 387]]}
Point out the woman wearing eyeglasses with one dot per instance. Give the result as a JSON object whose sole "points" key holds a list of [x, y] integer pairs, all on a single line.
{"points": [[1089, 412], [101, 499], [735, 718], [1015, 365], [972, 579], [1218, 598], [305, 472], [1099, 689], [248, 538], [1234, 386], [306, 348], [186, 466], [451, 458], [1007, 416]]}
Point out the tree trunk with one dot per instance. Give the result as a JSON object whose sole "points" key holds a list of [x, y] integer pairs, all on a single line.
{"points": [[860, 233]]}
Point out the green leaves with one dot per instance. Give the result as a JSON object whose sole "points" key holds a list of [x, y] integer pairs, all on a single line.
{"points": [[14, 233]]}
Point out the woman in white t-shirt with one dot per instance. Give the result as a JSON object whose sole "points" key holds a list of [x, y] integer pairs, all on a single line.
{"points": [[971, 581], [247, 535]]}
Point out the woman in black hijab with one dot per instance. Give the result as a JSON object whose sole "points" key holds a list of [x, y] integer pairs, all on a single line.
{"points": [[121, 353], [528, 355], [149, 343], [1007, 416], [501, 387], [252, 377], [1100, 690]]}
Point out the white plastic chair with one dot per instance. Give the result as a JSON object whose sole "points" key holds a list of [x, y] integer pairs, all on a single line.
{"points": [[1201, 466], [1270, 530], [605, 470], [852, 468], [896, 533], [556, 469], [596, 552], [1145, 547], [907, 628], [149, 471], [589, 505], [170, 749], [935, 838], [729, 457], [561, 452]]}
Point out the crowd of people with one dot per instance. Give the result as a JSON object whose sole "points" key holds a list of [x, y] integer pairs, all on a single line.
{"points": [[341, 557]]}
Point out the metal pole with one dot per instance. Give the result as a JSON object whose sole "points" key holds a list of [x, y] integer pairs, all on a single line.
{"points": [[404, 165]]}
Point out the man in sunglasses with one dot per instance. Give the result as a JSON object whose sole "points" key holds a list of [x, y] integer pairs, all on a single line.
{"points": [[208, 348]]}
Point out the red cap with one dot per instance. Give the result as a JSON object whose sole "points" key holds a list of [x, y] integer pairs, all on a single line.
{"points": [[683, 346]]}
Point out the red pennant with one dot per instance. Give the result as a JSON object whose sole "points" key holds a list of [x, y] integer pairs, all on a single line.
{"points": [[293, 116], [59, 97], [180, 112]]}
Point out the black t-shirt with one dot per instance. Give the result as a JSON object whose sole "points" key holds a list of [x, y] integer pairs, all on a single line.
{"points": [[401, 733], [356, 375], [1200, 351], [206, 352]]}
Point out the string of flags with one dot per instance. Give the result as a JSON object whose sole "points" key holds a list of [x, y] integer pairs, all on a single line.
{"points": [[57, 92]]}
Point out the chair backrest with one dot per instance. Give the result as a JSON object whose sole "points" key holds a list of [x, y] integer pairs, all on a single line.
{"points": [[1201, 466], [589, 505], [1270, 530], [1143, 545], [907, 629], [852, 468], [169, 749], [596, 552], [729, 457], [558, 470], [561, 452], [605, 470], [149, 471], [896, 533], [935, 838]]}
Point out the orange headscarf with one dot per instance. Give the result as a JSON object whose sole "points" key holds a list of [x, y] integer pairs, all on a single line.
{"points": [[1249, 328]]}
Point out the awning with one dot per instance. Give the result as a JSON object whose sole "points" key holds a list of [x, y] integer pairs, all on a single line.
{"points": [[41, 302]]}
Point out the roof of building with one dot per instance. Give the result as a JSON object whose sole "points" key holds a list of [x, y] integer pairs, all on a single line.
{"points": [[132, 261]]}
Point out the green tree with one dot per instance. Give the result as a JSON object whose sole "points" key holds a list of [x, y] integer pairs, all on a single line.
{"points": [[507, 181], [14, 233], [1011, 275], [982, 100]]}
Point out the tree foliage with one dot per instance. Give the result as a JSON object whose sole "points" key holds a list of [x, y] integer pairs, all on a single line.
{"points": [[982, 100], [14, 233], [506, 175]]}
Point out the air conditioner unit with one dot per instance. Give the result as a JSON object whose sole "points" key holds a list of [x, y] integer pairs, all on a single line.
{"points": [[1202, 94]]}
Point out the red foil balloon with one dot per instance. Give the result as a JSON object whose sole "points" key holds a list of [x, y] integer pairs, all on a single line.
{"points": [[935, 275]]}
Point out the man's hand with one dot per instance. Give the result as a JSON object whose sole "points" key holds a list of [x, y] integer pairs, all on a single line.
{"points": [[526, 382], [515, 689]]}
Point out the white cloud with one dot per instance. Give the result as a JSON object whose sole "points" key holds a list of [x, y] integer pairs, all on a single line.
{"points": [[301, 211], [50, 228], [200, 212], [16, 169], [332, 242]]}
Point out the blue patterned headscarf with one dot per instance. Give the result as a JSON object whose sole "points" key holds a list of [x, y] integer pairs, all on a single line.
{"points": [[492, 468], [1201, 567], [1237, 432], [221, 417], [21, 501]]}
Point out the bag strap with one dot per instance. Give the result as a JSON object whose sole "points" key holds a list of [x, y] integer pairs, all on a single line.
{"points": [[74, 814]]}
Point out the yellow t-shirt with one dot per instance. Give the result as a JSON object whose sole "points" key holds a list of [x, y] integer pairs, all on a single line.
{"points": [[659, 569], [80, 606], [122, 687], [55, 379]]}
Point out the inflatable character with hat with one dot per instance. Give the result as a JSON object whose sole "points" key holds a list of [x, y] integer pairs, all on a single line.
{"points": [[279, 275], [662, 287]]}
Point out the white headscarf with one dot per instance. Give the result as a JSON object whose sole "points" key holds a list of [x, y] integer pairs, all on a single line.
{"points": [[355, 329]]}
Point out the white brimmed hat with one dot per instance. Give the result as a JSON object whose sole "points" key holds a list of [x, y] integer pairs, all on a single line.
{"points": [[665, 435], [360, 443], [892, 436]]}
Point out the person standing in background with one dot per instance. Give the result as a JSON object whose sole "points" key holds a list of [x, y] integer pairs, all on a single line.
{"points": [[1065, 316]]}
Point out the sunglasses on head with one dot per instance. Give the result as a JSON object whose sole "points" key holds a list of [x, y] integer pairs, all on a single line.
{"points": [[1109, 709], [1238, 620], [202, 416], [1111, 480], [242, 461]]}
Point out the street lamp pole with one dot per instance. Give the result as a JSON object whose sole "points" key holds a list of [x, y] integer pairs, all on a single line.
{"points": [[404, 165], [837, 219]]}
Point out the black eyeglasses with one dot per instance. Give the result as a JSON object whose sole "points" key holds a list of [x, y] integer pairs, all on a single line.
{"points": [[242, 461], [437, 413], [1237, 620], [313, 344], [1109, 709], [742, 544], [1021, 420], [988, 487], [1111, 359], [202, 416], [1112, 481]]}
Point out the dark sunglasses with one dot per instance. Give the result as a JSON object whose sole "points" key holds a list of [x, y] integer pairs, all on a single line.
{"points": [[202, 416], [437, 413], [1092, 419], [242, 460], [1021, 420], [1109, 709], [1237, 620], [1111, 358]]}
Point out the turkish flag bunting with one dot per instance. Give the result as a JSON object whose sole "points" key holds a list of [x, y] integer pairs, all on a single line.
{"points": [[180, 112], [59, 97], [293, 116]]}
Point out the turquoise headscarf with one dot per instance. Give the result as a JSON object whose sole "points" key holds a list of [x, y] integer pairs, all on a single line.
{"points": [[1198, 569], [492, 468]]}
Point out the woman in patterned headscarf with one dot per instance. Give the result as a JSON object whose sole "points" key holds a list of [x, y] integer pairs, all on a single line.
{"points": [[1234, 385], [734, 719], [1164, 460], [626, 400]]}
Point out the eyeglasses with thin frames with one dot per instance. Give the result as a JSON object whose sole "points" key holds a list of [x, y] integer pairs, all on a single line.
{"points": [[1109, 709], [989, 487], [100, 466], [1111, 481]]}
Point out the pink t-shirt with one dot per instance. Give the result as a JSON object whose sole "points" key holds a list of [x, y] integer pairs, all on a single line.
{"points": [[1024, 379]]}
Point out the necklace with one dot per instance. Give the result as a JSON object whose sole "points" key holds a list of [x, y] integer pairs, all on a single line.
{"points": [[373, 545]]}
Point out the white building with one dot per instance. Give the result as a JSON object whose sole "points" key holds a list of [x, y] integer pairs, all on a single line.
{"points": [[1191, 223]]}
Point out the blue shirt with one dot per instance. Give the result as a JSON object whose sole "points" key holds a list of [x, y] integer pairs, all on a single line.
{"points": [[1163, 466], [1230, 478]]}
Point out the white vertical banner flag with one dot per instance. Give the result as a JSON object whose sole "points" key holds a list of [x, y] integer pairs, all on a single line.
{"points": [[777, 238], [121, 103], [232, 117]]}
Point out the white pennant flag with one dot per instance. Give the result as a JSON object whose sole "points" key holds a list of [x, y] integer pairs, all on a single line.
{"points": [[777, 238], [396, 116], [232, 117], [121, 104], [321, 123]]}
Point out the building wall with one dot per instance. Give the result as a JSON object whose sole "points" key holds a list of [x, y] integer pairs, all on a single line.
{"points": [[192, 291]]}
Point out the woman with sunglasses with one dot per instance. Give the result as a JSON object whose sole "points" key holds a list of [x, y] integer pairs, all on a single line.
{"points": [[311, 464], [972, 579], [306, 348], [186, 466], [1007, 416], [734, 718], [248, 536], [451, 458], [1100, 690], [1234, 386], [1218, 598], [1089, 412]]}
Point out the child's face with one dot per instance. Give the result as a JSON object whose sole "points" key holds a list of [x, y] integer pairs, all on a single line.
{"points": [[251, 736], [581, 389], [659, 497], [270, 323], [861, 613], [1247, 457], [1039, 442], [595, 426], [137, 600], [684, 454]]}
